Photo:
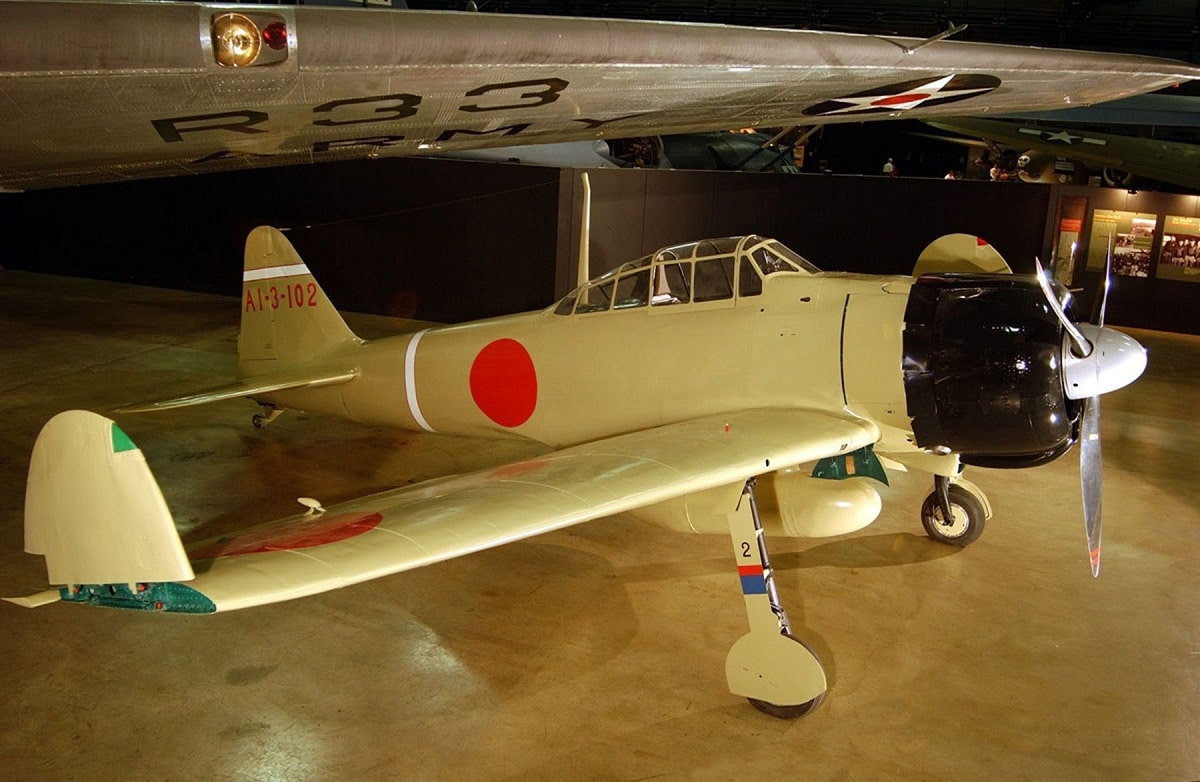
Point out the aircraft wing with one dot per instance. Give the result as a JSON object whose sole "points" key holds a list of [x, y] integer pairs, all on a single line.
{"points": [[101, 91], [384, 533], [1166, 161]]}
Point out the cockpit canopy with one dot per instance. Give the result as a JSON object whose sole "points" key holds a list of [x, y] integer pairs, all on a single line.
{"points": [[707, 270]]}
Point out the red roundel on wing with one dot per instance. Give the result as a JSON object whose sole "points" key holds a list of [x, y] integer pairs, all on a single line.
{"points": [[308, 532], [897, 100], [504, 383]]}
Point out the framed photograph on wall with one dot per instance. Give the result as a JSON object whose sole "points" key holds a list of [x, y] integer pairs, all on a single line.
{"points": [[1180, 255], [1132, 237]]}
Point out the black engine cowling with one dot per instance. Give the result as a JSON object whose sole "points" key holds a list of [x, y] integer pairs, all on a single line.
{"points": [[983, 370]]}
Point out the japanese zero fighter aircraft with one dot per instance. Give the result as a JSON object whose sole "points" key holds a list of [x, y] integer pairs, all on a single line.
{"points": [[713, 371], [102, 91]]}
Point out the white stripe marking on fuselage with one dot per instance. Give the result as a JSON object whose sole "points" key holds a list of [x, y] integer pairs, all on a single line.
{"points": [[271, 272], [410, 384]]}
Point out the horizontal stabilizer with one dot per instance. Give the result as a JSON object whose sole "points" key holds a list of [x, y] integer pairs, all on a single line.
{"points": [[250, 387], [93, 509]]}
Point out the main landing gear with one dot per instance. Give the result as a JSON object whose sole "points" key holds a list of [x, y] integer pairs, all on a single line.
{"points": [[955, 511], [267, 414], [768, 666]]}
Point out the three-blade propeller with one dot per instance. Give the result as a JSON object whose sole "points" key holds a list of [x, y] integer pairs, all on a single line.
{"points": [[1095, 360]]}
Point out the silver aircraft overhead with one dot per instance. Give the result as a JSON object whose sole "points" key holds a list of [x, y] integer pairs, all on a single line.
{"points": [[102, 91]]}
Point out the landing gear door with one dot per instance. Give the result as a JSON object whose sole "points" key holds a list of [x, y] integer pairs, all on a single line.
{"points": [[872, 354]]}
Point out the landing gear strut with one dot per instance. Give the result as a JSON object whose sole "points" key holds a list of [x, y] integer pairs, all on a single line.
{"points": [[769, 666]]}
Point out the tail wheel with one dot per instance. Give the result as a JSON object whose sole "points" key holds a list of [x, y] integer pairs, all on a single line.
{"points": [[966, 525]]}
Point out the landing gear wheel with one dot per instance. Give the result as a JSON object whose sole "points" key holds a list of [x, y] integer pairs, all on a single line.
{"points": [[263, 419], [787, 712], [967, 524]]}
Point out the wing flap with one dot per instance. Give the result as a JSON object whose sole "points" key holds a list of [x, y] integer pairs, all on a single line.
{"points": [[308, 377], [407, 528]]}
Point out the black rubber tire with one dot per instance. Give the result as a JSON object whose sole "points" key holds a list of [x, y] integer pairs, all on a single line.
{"points": [[787, 712], [931, 517]]}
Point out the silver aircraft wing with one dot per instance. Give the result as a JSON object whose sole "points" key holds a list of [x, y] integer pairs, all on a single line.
{"points": [[102, 91]]}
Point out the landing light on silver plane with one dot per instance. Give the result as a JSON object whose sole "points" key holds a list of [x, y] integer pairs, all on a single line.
{"points": [[238, 39]]}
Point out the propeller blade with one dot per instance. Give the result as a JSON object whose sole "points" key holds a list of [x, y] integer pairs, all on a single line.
{"points": [[1102, 361], [1107, 282], [1082, 346], [1090, 478]]}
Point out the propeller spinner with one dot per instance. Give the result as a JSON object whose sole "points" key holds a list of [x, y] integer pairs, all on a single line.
{"points": [[1095, 360]]}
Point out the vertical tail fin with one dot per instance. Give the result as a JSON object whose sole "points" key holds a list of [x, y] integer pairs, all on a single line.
{"points": [[960, 253], [286, 317]]}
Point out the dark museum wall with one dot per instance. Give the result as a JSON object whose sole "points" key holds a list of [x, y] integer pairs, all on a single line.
{"points": [[870, 224], [453, 240], [431, 239]]}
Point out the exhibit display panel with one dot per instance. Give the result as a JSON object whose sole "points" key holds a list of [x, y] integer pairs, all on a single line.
{"points": [[1131, 235], [1179, 258], [1068, 227]]}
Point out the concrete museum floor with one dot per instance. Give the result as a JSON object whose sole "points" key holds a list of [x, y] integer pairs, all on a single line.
{"points": [[596, 652]]}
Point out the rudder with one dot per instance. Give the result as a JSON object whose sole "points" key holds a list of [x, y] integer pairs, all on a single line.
{"points": [[960, 253], [287, 319]]}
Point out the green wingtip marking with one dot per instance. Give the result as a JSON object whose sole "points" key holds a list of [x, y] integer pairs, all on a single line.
{"points": [[121, 441]]}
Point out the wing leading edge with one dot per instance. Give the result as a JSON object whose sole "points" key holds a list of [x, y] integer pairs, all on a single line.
{"points": [[431, 522]]}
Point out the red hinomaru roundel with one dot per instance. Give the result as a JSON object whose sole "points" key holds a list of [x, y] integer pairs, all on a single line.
{"points": [[504, 382], [307, 532]]}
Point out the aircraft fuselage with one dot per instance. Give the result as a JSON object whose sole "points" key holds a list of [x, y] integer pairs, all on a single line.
{"points": [[824, 341]]}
